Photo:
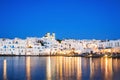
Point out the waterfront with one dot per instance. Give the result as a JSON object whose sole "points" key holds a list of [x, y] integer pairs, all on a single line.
{"points": [[49, 45], [59, 68]]}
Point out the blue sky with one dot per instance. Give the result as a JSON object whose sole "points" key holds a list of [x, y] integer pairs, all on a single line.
{"points": [[78, 19]]}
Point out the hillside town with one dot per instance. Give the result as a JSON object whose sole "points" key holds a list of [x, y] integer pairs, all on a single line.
{"points": [[49, 45]]}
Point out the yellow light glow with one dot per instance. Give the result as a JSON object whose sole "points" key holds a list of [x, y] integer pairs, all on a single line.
{"points": [[90, 55], [106, 55]]}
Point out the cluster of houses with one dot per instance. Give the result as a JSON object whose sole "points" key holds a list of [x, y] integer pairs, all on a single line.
{"points": [[49, 45]]}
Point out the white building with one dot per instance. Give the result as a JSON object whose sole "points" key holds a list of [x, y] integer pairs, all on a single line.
{"points": [[109, 46], [12, 47], [48, 45]]}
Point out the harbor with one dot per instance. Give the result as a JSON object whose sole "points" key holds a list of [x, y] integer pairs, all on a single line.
{"points": [[59, 39], [59, 68]]}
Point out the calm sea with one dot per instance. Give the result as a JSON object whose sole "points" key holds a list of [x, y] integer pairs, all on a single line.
{"points": [[59, 68]]}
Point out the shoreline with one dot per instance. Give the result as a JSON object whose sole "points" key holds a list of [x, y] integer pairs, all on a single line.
{"points": [[85, 56]]}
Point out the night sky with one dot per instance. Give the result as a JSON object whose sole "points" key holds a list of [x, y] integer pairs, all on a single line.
{"points": [[77, 19]]}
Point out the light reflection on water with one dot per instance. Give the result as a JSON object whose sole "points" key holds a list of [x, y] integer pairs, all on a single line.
{"points": [[59, 68], [28, 72], [4, 69]]}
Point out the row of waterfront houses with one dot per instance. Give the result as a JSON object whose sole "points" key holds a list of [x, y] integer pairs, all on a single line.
{"points": [[48, 45]]}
